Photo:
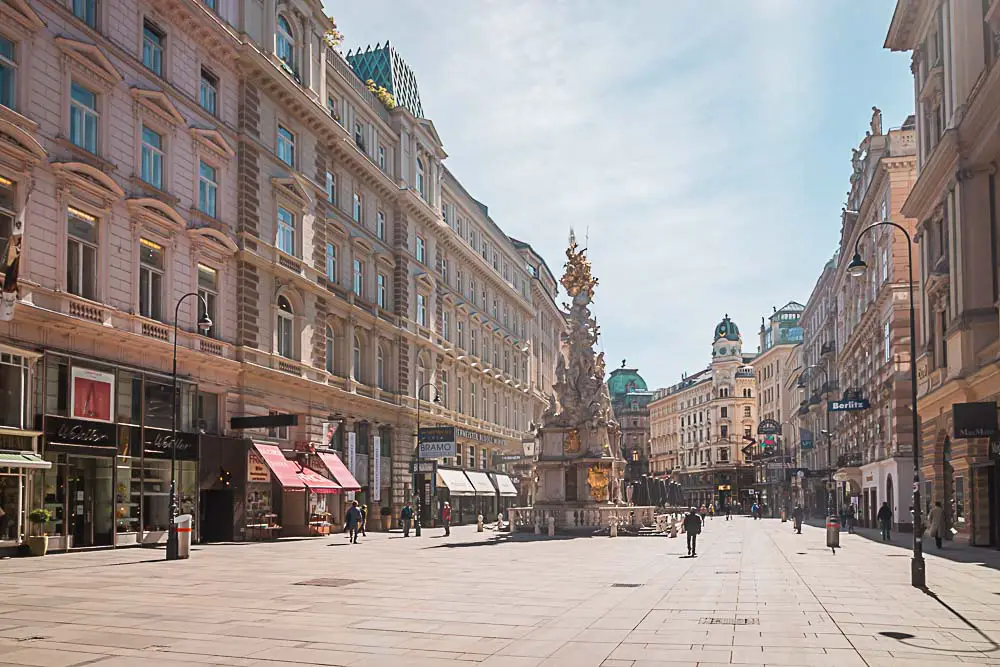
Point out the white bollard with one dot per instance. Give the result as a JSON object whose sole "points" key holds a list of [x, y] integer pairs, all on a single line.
{"points": [[673, 529], [479, 523], [552, 525], [538, 527], [614, 529]]}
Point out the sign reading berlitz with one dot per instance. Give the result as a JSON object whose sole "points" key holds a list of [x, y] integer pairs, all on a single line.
{"points": [[851, 405]]}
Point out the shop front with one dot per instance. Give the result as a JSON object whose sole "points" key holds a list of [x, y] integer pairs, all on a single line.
{"points": [[886, 481], [277, 501], [455, 488], [849, 488], [486, 494], [329, 464], [506, 491]]}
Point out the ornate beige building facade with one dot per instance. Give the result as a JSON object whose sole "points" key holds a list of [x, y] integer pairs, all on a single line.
{"points": [[224, 153]]}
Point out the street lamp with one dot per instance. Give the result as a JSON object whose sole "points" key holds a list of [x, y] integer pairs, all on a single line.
{"points": [[831, 504], [204, 324], [857, 268], [416, 458]]}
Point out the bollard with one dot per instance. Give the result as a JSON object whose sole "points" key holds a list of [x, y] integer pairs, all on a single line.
{"points": [[833, 532], [538, 527], [552, 525], [479, 523], [673, 529], [783, 517]]}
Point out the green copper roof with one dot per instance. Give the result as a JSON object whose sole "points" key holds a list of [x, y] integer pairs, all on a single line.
{"points": [[624, 381], [727, 329]]}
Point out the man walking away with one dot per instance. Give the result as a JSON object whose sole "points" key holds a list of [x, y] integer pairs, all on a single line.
{"points": [[446, 518], [936, 521], [729, 512], [364, 520], [885, 520], [755, 511], [851, 517], [406, 515], [692, 526], [354, 521], [797, 518]]}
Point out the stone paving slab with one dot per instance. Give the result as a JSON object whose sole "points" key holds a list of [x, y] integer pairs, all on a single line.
{"points": [[757, 594]]}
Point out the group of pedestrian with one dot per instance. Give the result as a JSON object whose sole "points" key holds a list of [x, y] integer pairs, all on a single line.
{"points": [[355, 521]]}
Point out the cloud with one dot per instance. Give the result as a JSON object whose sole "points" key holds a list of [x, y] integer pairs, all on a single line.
{"points": [[676, 134]]}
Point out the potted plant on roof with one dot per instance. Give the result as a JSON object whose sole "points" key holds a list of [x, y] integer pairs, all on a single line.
{"points": [[38, 545]]}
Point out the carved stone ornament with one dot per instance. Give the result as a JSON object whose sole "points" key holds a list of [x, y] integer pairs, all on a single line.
{"points": [[597, 479], [572, 445]]}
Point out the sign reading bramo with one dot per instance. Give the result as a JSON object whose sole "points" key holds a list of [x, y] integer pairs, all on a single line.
{"points": [[435, 442]]}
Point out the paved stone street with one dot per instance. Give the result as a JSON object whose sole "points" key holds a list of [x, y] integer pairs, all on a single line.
{"points": [[522, 603]]}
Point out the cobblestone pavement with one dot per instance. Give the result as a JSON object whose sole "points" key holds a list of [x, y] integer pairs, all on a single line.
{"points": [[757, 594]]}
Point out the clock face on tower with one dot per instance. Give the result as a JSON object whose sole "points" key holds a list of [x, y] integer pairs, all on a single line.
{"points": [[722, 350]]}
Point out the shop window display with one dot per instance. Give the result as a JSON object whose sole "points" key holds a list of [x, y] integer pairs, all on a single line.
{"points": [[11, 512], [262, 522], [319, 515]]}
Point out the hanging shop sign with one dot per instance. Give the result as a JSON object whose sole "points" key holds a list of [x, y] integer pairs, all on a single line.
{"points": [[158, 443], [974, 420], [435, 442], [257, 470], [848, 405], [768, 427]]}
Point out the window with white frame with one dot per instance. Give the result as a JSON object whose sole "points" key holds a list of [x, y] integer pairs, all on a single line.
{"points": [[359, 277], [420, 178], [208, 290], [330, 340], [444, 270], [15, 394], [286, 146], [277, 432], [331, 262], [331, 187], [8, 210], [86, 11], [444, 388], [150, 279], [286, 328], [152, 47], [421, 310], [460, 334], [496, 408], [445, 325], [421, 253], [286, 231], [382, 299], [459, 283], [356, 359], [208, 188], [81, 254], [471, 456], [284, 43], [483, 456], [380, 225], [358, 210], [380, 367], [888, 342], [208, 92], [151, 168], [8, 72], [381, 157], [473, 343], [473, 294], [472, 398], [459, 405], [359, 136], [83, 117]]}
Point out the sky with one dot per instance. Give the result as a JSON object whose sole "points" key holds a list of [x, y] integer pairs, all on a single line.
{"points": [[701, 146]]}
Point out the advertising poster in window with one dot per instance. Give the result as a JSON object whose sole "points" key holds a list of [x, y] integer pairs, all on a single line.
{"points": [[352, 457], [257, 470], [329, 432], [377, 472], [91, 393]]}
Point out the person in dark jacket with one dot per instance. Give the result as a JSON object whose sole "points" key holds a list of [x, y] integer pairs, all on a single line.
{"points": [[353, 521], [885, 520], [407, 517], [797, 515], [692, 526], [364, 520]]}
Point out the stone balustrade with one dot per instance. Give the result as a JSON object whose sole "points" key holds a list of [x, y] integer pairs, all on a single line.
{"points": [[582, 518]]}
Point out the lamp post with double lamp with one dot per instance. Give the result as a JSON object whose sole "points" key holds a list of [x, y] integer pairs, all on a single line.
{"points": [[831, 503], [204, 324], [857, 268], [416, 457]]}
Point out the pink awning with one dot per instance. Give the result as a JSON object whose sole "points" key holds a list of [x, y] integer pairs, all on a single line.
{"points": [[286, 471], [316, 483], [339, 471]]}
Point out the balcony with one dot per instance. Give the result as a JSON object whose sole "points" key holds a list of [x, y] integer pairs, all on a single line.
{"points": [[933, 84]]}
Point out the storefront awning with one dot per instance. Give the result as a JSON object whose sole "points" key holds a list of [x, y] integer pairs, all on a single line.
{"points": [[848, 475], [505, 485], [282, 468], [23, 460], [339, 471], [316, 483], [481, 482], [456, 482]]}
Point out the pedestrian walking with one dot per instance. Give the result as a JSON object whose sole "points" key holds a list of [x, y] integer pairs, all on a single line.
{"points": [[711, 511], [936, 521], [353, 522], [755, 511], [851, 517], [406, 516], [692, 526], [885, 520], [729, 512], [703, 512], [446, 518], [364, 520], [797, 518]]}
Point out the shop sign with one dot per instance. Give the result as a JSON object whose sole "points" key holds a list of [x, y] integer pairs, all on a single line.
{"points": [[850, 405], [507, 458], [466, 434], [436, 442], [724, 487], [73, 435], [806, 438], [377, 471], [768, 427], [423, 466], [158, 443], [257, 470], [91, 394], [16, 443], [974, 420]]}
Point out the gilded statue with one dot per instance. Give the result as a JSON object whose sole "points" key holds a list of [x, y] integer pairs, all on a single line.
{"points": [[597, 479], [577, 279], [572, 445]]}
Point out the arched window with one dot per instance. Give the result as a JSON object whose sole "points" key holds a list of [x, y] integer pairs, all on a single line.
{"points": [[420, 178], [380, 368], [356, 359], [329, 350], [284, 43], [286, 328]]}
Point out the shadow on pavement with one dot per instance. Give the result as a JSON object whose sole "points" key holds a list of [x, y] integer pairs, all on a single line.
{"points": [[507, 538]]}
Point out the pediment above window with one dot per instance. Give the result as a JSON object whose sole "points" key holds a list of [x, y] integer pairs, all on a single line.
{"points": [[213, 241], [424, 280], [90, 60], [155, 213], [385, 259], [213, 141], [88, 182], [361, 243], [155, 102], [294, 188], [20, 145], [20, 14]]}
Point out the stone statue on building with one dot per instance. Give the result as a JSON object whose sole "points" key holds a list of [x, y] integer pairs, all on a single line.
{"points": [[876, 123]]}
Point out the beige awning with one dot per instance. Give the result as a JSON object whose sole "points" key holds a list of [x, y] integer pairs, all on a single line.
{"points": [[504, 485], [456, 482], [481, 482]]}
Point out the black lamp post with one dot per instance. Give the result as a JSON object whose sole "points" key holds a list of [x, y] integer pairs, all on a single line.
{"points": [[416, 457], [204, 324], [857, 268]]}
